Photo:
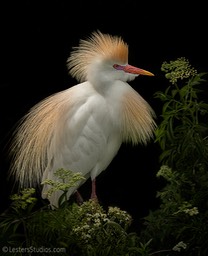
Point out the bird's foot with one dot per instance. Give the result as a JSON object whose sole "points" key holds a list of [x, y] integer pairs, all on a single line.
{"points": [[94, 197]]}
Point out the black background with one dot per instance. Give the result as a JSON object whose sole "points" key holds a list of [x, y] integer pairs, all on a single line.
{"points": [[36, 40]]}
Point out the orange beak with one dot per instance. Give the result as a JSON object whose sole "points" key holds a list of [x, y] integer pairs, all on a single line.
{"points": [[133, 70], [137, 71]]}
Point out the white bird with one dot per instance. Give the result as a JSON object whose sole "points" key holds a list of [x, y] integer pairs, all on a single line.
{"points": [[82, 128]]}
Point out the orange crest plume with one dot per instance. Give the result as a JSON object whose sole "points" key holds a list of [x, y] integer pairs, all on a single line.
{"points": [[97, 46]]}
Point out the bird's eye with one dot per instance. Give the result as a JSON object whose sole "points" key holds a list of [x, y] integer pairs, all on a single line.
{"points": [[118, 67]]}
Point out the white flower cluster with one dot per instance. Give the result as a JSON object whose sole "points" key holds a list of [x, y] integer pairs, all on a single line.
{"points": [[90, 224], [193, 211], [187, 208], [165, 172], [179, 246], [95, 218], [178, 69], [116, 213]]}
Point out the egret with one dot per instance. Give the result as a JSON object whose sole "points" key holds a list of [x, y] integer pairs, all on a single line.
{"points": [[82, 128]]}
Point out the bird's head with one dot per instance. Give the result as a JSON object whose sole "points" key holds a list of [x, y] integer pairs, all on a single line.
{"points": [[102, 57]]}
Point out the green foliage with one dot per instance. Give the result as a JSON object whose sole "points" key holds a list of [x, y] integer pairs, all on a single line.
{"points": [[71, 229], [182, 132], [14, 219], [182, 135], [66, 180], [24, 199]]}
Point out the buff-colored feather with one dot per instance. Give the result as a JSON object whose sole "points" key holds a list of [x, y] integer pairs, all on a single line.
{"points": [[138, 119], [31, 147]]}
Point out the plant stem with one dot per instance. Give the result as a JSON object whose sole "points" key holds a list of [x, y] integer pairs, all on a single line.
{"points": [[153, 253]]}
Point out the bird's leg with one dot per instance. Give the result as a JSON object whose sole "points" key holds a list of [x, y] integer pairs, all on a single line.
{"points": [[93, 193], [79, 198]]}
